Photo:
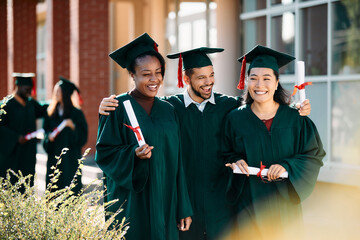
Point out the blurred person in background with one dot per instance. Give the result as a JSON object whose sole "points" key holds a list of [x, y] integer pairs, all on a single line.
{"points": [[73, 136], [18, 152]]}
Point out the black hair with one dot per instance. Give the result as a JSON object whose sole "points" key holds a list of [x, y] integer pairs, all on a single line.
{"points": [[66, 99], [189, 72], [131, 67], [281, 95]]}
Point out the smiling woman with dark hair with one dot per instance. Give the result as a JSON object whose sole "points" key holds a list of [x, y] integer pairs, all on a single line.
{"points": [[266, 131], [147, 180], [73, 136]]}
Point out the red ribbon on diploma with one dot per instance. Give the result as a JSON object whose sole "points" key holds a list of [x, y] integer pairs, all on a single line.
{"points": [[302, 86], [135, 130], [262, 167]]}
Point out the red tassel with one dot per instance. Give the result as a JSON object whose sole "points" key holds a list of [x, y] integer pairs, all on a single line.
{"points": [[180, 82], [33, 90], [155, 47], [241, 84], [81, 101]]}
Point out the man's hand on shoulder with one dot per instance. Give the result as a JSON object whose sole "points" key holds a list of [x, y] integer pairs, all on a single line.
{"points": [[108, 104]]}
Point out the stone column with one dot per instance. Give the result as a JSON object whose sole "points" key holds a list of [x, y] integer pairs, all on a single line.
{"points": [[227, 69]]}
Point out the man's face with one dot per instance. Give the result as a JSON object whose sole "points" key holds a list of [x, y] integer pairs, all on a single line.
{"points": [[24, 91], [200, 83]]}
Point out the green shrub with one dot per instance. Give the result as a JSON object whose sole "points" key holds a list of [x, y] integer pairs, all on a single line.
{"points": [[55, 215]]}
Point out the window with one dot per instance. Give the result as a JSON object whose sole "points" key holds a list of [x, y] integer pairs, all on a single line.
{"points": [[254, 5], [345, 122], [41, 62], [313, 39], [345, 38], [189, 25], [255, 32], [282, 37], [283, 2]]}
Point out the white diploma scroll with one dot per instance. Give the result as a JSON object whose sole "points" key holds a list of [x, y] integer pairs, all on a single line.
{"points": [[39, 134], [300, 78], [254, 171], [58, 129], [134, 123]]}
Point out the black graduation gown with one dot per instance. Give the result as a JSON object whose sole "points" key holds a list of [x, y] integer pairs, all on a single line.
{"points": [[272, 210], [74, 140], [153, 191], [19, 120], [203, 165]]}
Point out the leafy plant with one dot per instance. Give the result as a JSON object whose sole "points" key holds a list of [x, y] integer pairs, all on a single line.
{"points": [[3, 103], [57, 214]]}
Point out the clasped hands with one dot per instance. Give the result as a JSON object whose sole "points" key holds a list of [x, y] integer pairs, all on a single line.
{"points": [[273, 173]]}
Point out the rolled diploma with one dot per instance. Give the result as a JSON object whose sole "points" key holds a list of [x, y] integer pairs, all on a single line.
{"points": [[36, 134], [133, 121], [301, 79], [254, 171], [58, 129]]}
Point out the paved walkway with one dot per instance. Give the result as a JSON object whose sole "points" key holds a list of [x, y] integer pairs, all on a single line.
{"points": [[332, 212]]}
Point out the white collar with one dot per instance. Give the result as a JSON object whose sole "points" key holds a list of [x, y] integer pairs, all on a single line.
{"points": [[188, 100]]}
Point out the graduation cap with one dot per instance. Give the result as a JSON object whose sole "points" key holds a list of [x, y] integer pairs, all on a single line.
{"points": [[125, 55], [194, 58], [262, 57], [25, 79], [69, 87]]}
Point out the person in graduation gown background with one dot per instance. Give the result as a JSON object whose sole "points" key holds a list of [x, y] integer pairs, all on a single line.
{"points": [[16, 152], [148, 180], [73, 136], [201, 113], [266, 131]]}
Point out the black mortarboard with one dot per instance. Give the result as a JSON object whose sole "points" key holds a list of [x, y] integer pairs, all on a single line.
{"points": [[194, 58], [128, 53], [24, 79], [69, 87], [262, 57]]}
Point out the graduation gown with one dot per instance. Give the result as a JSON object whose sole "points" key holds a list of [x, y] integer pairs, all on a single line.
{"points": [[19, 120], [203, 165], [74, 140], [272, 210], [152, 191]]}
